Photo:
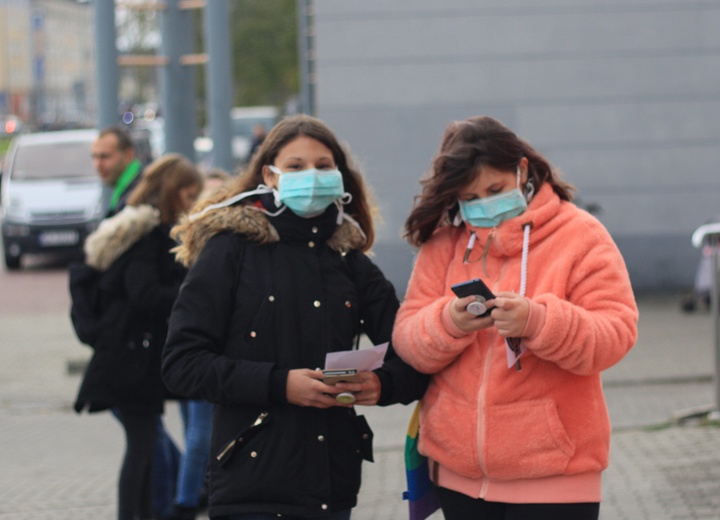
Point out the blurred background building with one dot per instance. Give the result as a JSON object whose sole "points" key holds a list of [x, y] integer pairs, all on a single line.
{"points": [[623, 97], [47, 62]]}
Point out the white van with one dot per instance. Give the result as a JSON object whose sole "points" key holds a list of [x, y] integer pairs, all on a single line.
{"points": [[50, 194]]}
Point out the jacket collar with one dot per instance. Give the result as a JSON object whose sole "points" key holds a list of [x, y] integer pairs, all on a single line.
{"points": [[117, 234], [248, 219]]}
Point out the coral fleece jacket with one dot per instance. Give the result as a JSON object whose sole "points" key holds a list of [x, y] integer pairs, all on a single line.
{"points": [[486, 423]]}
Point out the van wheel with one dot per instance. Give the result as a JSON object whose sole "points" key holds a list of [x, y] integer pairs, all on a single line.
{"points": [[12, 262]]}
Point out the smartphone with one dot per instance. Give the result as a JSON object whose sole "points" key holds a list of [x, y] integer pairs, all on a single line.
{"points": [[340, 375], [475, 287]]}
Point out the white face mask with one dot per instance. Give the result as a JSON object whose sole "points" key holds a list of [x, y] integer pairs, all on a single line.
{"points": [[492, 211], [308, 193]]}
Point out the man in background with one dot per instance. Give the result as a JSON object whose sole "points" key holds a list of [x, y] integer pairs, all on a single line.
{"points": [[114, 159]]}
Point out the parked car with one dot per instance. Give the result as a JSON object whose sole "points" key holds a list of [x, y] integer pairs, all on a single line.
{"points": [[50, 195]]}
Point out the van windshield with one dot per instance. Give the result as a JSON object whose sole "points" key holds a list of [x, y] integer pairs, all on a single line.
{"points": [[53, 161]]}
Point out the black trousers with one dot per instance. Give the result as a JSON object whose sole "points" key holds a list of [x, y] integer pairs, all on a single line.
{"points": [[135, 485], [456, 506]]}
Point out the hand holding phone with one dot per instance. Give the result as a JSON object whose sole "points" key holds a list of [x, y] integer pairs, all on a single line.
{"points": [[475, 287], [342, 375]]}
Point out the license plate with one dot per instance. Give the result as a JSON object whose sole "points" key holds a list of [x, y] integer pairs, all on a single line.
{"points": [[59, 238]]}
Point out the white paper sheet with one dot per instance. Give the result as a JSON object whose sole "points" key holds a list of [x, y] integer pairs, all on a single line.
{"points": [[365, 359]]}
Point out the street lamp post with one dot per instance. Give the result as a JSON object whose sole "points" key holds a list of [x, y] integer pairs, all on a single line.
{"points": [[106, 66]]}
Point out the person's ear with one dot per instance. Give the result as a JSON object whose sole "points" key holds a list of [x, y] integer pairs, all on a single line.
{"points": [[269, 178], [524, 170]]}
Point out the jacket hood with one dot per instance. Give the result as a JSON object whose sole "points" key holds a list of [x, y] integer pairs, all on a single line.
{"points": [[248, 220], [117, 234]]}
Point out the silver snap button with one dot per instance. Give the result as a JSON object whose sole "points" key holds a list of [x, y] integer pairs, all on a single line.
{"points": [[314, 229], [321, 438], [254, 454], [253, 334], [311, 244], [271, 298], [317, 303]]}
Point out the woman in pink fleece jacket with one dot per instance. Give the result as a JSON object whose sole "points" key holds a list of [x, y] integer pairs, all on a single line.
{"points": [[508, 437]]}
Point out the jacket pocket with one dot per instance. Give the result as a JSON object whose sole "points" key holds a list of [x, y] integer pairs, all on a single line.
{"points": [[240, 440], [526, 440]]}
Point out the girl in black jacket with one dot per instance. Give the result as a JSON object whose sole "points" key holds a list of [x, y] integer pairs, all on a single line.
{"points": [[141, 280], [278, 279]]}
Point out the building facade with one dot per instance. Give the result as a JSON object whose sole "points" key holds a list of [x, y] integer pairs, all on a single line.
{"points": [[622, 97], [47, 62]]}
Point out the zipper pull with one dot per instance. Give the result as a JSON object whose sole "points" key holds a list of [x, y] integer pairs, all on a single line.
{"points": [[226, 449], [249, 432], [260, 419]]}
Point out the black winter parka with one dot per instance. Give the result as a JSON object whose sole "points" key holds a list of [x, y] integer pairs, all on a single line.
{"points": [[140, 287], [255, 305]]}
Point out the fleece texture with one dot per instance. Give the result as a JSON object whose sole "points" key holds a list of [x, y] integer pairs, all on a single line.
{"points": [[479, 418]]}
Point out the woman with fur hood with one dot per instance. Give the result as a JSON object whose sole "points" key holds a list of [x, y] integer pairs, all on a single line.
{"points": [[140, 281], [278, 279], [514, 422]]}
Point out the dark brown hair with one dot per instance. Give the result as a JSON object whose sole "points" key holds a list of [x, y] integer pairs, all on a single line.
{"points": [[466, 146], [124, 140], [161, 183], [284, 132]]}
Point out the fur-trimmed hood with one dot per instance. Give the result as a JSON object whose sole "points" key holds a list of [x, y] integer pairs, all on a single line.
{"points": [[117, 234], [250, 221]]}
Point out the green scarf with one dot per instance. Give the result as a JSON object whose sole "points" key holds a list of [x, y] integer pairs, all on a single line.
{"points": [[128, 175]]}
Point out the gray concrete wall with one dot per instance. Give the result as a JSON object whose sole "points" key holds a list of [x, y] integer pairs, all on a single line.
{"points": [[622, 97]]}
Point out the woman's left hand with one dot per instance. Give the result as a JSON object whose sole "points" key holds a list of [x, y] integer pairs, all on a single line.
{"points": [[366, 391], [510, 314]]}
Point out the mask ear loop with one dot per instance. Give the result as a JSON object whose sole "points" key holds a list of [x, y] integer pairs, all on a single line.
{"points": [[261, 189], [339, 203], [343, 201], [457, 221], [529, 189]]}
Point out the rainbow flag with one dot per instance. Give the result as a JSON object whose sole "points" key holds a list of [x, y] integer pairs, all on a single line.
{"points": [[421, 493]]}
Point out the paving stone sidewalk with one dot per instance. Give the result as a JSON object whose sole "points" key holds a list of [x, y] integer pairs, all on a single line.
{"points": [[57, 465]]}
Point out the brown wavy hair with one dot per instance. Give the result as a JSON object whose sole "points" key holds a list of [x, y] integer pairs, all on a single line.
{"points": [[288, 129], [466, 146], [161, 183]]}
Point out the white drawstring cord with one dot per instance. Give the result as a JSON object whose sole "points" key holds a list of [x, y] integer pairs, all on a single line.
{"points": [[523, 263], [515, 344]]}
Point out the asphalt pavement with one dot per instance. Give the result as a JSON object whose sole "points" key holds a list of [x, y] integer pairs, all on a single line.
{"points": [[57, 465]]}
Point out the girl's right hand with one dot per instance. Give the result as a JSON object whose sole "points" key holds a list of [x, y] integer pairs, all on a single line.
{"points": [[305, 388], [466, 321]]}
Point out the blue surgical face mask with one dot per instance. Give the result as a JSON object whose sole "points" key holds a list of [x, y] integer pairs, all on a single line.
{"points": [[308, 193], [491, 211]]}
